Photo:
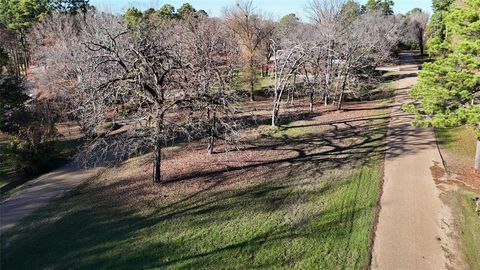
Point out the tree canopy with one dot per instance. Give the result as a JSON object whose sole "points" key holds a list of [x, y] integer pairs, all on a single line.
{"points": [[436, 27], [414, 10], [166, 12], [132, 16], [12, 100], [289, 18], [350, 11], [386, 6], [186, 9], [70, 6], [21, 14], [449, 88]]}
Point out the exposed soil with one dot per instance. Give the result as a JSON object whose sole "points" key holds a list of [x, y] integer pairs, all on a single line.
{"points": [[460, 171], [189, 169]]}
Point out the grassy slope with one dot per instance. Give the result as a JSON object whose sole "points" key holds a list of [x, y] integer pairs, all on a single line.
{"points": [[301, 217], [470, 226], [260, 84], [460, 142]]}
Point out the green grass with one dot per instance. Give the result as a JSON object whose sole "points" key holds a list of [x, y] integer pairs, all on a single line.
{"points": [[460, 141], [260, 82], [264, 82], [460, 144], [285, 131], [469, 223], [278, 223], [314, 214]]}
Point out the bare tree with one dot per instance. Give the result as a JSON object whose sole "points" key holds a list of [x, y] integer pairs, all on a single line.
{"points": [[135, 88], [212, 57], [364, 45], [251, 31], [11, 47], [265, 47], [349, 50], [417, 25], [289, 56], [136, 74], [324, 14], [315, 69]]}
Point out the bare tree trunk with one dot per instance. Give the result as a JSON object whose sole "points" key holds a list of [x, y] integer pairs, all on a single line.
{"points": [[251, 78], [157, 161], [311, 101], [252, 86], [275, 110], [340, 98], [157, 152], [25, 63], [339, 104], [211, 135], [477, 156], [294, 88], [324, 92], [16, 61], [328, 75], [420, 43], [275, 115]]}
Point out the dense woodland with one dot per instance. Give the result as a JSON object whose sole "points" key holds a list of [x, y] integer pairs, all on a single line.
{"points": [[139, 81]]}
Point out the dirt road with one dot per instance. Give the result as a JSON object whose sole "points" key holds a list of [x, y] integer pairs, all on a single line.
{"points": [[411, 230], [40, 192]]}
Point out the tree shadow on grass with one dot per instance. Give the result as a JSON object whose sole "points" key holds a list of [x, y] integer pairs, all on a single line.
{"points": [[86, 230], [83, 232], [92, 231], [331, 150], [248, 249]]}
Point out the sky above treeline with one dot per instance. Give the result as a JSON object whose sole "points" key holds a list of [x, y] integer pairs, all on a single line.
{"points": [[275, 8]]}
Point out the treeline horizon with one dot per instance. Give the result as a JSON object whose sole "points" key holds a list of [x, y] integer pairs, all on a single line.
{"points": [[167, 73]]}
